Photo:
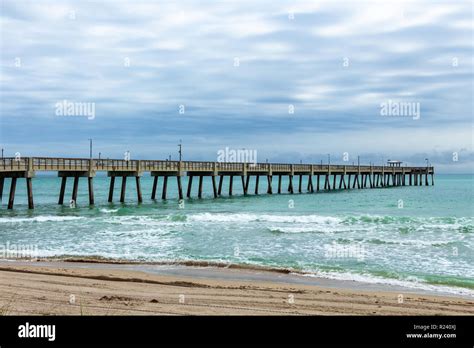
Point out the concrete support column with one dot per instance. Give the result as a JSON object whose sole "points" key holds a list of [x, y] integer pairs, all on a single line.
{"points": [[221, 178], [269, 189], [155, 184], [29, 191], [90, 185], [2, 182], [190, 185], [290, 184], [74, 189], [111, 188], [200, 186], [165, 187], [214, 187], [231, 184], [62, 190], [11, 198], [139, 190], [124, 187]]}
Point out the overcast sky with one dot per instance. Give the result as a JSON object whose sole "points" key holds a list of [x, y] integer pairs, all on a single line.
{"points": [[238, 68]]}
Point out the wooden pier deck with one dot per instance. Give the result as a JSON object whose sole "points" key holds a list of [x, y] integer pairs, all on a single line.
{"points": [[334, 176]]}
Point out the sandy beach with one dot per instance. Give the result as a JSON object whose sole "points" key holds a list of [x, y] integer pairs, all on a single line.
{"points": [[78, 288]]}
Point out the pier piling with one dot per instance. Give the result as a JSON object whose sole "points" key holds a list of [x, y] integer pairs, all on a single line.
{"points": [[165, 187], [269, 189], [155, 184], [124, 187], [29, 191], [221, 178], [62, 190], [214, 188], [74, 189], [244, 188], [111, 189], [231, 181], [200, 187], [11, 198], [91, 190], [139, 189]]}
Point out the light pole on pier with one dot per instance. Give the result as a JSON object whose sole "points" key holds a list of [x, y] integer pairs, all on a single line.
{"points": [[90, 148], [180, 150]]}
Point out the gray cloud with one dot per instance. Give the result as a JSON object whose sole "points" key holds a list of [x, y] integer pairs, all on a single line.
{"points": [[185, 54]]}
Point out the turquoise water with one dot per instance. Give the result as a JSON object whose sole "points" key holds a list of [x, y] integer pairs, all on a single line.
{"points": [[421, 237]]}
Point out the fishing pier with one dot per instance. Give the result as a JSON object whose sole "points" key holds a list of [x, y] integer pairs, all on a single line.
{"points": [[333, 177]]}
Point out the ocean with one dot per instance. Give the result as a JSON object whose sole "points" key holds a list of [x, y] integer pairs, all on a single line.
{"points": [[419, 237]]}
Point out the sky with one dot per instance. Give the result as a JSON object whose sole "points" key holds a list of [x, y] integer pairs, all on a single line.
{"points": [[292, 80]]}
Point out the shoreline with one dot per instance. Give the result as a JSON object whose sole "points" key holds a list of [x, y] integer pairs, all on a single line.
{"points": [[45, 287], [332, 278]]}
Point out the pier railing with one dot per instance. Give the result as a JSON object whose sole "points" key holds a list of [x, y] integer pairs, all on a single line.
{"points": [[106, 164]]}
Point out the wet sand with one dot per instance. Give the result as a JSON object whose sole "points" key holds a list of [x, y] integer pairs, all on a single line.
{"points": [[82, 288]]}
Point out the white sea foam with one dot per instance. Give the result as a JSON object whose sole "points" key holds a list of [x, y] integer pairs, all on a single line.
{"points": [[248, 217], [39, 219], [308, 229], [412, 282], [108, 211], [142, 220]]}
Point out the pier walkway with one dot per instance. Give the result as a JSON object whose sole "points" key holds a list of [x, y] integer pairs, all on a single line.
{"points": [[334, 176]]}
